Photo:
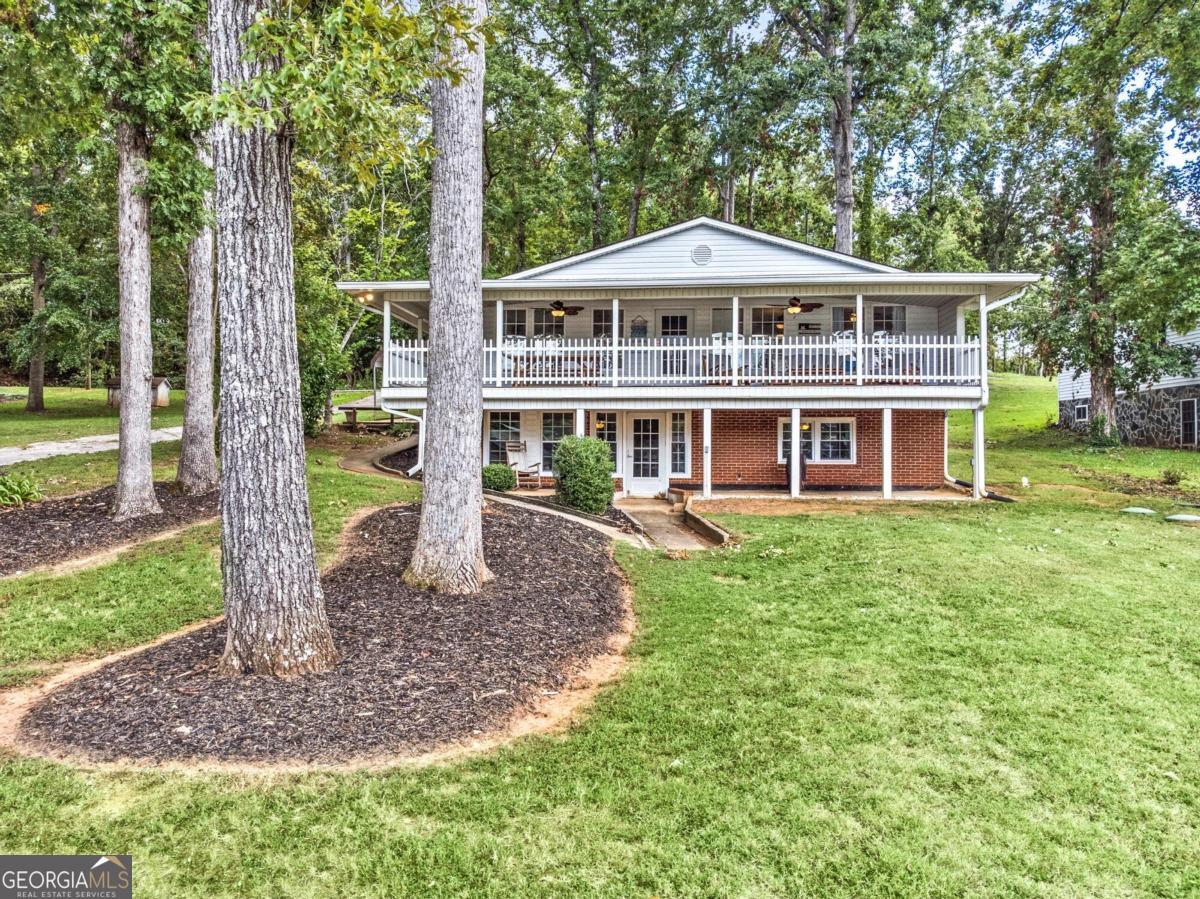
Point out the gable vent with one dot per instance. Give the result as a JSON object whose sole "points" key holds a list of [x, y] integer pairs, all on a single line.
{"points": [[702, 254]]}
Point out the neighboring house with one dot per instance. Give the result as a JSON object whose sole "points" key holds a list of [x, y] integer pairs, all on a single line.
{"points": [[705, 352], [1167, 413]]}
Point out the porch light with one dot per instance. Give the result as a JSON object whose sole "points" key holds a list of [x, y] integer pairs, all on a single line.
{"points": [[794, 310], [558, 313], [599, 425]]}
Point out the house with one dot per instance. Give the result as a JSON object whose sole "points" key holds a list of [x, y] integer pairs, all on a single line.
{"points": [[160, 392], [1165, 413], [705, 353]]}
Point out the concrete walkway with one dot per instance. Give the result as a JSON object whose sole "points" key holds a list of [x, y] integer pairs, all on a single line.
{"points": [[97, 443], [664, 526]]}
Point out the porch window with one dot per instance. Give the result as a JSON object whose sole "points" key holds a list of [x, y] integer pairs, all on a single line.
{"points": [[602, 322], [844, 318], [766, 321], [514, 323], [833, 443], [888, 318], [547, 325], [674, 326], [1188, 423], [679, 443], [605, 426], [555, 426], [502, 427]]}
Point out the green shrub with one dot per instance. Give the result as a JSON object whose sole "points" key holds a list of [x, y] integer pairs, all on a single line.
{"points": [[583, 467], [1172, 477], [17, 490], [1099, 435], [499, 477]]}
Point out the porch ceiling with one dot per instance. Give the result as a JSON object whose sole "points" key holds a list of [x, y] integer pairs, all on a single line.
{"points": [[927, 289]]}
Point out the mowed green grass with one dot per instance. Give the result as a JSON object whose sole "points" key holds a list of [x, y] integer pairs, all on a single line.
{"points": [[1021, 442], [932, 700], [72, 412], [158, 587]]}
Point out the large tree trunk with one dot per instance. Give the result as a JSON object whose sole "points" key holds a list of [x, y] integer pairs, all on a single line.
{"points": [[274, 608], [35, 400], [728, 194], [448, 556], [198, 454], [1103, 213], [135, 472], [841, 126]]}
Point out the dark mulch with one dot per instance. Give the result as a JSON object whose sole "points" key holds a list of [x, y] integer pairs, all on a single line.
{"points": [[57, 530], [401, 461], [418, 670]]}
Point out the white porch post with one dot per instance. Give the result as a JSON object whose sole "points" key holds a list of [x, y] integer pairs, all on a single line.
{"points": [[483, 439], [616, 336], [737, 341], [499, 339], [887, 452], [977, 477], [983, 346], [946, 443], [580, 423], [387, 340], [858, 339], [797, 454], [420, 328], [707, 453]]}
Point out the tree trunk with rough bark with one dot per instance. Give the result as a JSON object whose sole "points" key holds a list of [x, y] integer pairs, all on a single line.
{"points": [[197, 471], [274, 607], [448, 555], [841, 126], [135, 474], [35, 400], [1103, 214]]}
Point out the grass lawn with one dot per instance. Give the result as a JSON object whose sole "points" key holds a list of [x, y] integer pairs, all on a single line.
{"points": [[1021, 443], [938, 700], [73, 412]]}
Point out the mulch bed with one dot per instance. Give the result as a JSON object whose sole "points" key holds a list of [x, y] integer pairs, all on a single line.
{"points": [[418, 670], [402, 460], [58, 530]]}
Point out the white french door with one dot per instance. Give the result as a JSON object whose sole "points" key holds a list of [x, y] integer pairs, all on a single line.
{"points": [[646, 460]]}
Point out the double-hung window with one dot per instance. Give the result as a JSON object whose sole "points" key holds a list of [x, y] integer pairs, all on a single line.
{"points": [[605, 427], [514, 323], [602, 323], [888, 318], [555, 426], [503, 427], [844, 318], [766, 321], [679, 444], [546, 324], [822, 440], [1189, 425]]}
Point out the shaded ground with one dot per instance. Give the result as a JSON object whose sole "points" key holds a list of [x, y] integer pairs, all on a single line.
{"points": [[58, 530], [418, 671]]}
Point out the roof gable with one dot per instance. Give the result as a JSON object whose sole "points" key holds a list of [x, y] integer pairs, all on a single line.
{"points": [[702, 247]]}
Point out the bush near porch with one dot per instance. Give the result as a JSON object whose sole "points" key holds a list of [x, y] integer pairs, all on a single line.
{"points": [[583, 472]]}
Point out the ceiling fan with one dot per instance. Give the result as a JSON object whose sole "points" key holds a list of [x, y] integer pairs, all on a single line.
{"points": [[796, 305], [558, 310]]}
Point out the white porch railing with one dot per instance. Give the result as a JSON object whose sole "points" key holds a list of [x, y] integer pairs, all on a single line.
{"points": [[914, 359]]}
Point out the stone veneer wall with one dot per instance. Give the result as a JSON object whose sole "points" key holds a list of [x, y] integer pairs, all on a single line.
{"points": [[1145, 418]]}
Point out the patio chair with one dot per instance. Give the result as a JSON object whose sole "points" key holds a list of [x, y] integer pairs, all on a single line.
{"points": [[528, 476]]}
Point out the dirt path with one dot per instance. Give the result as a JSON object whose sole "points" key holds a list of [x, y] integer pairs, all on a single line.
{"points": [[96, 443]]}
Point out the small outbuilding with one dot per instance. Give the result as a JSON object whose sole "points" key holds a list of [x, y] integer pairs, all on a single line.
{"points": [[160, 392]]}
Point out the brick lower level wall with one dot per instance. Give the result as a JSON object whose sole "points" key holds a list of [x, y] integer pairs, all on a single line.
{"points": [[745, 450], [1145, 418]]}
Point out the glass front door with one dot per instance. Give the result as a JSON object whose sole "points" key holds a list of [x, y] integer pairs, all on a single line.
{"points": [[645, 456]]}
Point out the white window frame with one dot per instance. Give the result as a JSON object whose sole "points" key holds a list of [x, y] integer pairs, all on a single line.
{"points": [[785, 424], [894, 310], [773, 312], [546, 324], [542, 442], [618, 420], [850, 321], [519, 435], [523, 315], [687, 442], [1086, 413], [1195, 421]]}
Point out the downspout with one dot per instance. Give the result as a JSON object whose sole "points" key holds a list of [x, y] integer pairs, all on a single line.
{"points": [[420, 423]]}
